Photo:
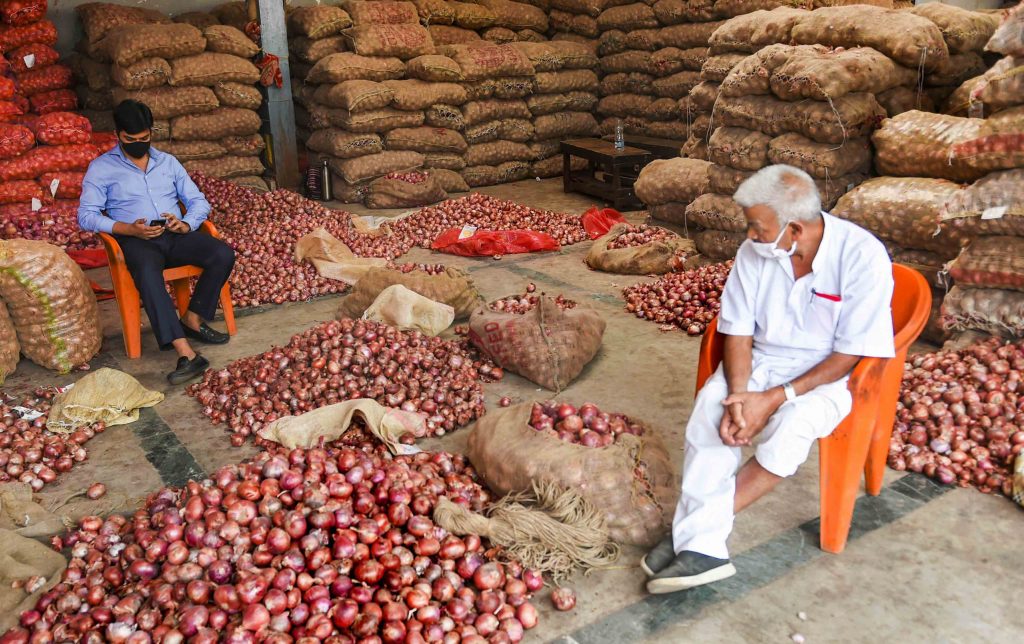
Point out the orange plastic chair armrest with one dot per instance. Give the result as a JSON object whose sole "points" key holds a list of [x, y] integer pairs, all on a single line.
{"points": [[112, 247], [208, 228], [865, 377]]}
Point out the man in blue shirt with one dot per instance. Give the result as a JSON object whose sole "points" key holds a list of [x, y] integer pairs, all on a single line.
{"points": [[133, 192]]}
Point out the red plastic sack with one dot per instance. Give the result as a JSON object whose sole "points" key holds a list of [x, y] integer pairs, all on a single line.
{"points": [[44, 32], [22, 12], [15, 140], [60, 100], [488, 243], [38, 54], [68, 184], [9, 110], [54, 158], [598, 221], [104, 141], [7, 88], [45, 79], [92, 258], [20, 191], [62, 128]]}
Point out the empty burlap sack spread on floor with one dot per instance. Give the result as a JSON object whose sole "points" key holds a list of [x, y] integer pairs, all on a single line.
{"points": [[630, 482], [545, 345], [20, 559], [9, 347], [51, 304], [653, 258], [131, 43], [327, 424], [991, 262], [399, 193], [407, 310], [332, 258], [453, 287], [105, 395], [668, 180]]}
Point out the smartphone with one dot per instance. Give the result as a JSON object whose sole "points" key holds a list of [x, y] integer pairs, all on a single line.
{"points": [[158, 222]]}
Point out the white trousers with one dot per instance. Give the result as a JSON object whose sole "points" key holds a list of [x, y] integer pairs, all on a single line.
{"points": [[704, 515]]}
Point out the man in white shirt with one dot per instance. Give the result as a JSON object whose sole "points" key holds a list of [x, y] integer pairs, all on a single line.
{"points": [[808, 296]]}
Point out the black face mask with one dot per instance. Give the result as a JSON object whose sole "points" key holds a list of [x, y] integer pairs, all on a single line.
{"points": [[136, 149]]}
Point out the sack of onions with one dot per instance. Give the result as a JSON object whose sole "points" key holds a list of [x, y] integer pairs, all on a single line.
{"points": [[10, 350], [404, 190], [608, 461], [639, 250], [544, 339], [452, 287]]}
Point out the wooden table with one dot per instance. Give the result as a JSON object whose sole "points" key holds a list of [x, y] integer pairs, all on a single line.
{"points": [[659, 148], [610, 173]]}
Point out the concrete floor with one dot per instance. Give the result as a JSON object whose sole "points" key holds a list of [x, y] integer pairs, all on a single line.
{"points": [[924, 563]]}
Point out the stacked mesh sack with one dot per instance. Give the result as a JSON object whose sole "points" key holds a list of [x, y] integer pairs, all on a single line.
{"points": [[314, 32], [981, 163]]}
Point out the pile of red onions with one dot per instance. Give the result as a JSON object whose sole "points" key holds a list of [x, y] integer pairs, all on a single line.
{"points": [[332, 544], [409, 267], [587, 426], [520, 304], [640, 235], [407, 177], [688, 300], [342, 360], [29, 452], [956, 420], [54, 225]]}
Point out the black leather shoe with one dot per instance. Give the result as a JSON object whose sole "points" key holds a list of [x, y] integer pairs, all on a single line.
{"points": [[206, 334], [188, 369]]}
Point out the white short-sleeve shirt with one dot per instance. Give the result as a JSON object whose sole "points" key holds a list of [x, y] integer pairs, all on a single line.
{"points": [[842, 305]]}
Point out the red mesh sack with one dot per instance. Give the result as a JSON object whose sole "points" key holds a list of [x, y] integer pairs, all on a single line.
{"points": [[46, 79], [58, 100], [22, 12], [103, 140], [43, 32], [10, 110], [487, 243], [7, 88], [68, 184], [20, 191], [598, 221], [54, 158], [33, 56], [62, 128], [15, 140]]}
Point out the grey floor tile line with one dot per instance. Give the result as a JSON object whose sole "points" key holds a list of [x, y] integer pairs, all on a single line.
{"points": [[757, 567], [172, 460]]}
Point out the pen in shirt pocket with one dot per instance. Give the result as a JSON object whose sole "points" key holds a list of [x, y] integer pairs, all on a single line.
{"points": [[828, 296]]}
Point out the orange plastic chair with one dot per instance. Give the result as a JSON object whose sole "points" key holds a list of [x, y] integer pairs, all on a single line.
{"points": [[129, 304], [861, 441]]}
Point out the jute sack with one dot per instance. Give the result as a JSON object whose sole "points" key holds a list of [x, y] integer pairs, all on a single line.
{"points": [[444, 162], [638, 62], [1008, 38], [342, 144], [477, 176], [344, 66], [716, 212], [10, 350], [629, 482], [824, 75], [472, 16], [449, 180], [672, 60], [631, 16], [663, 109], [381, 12], [564, 125], [570, 80], [106, 395], [434, 68], [569, 102], [318, 21], [311, 51], [546, 345], [739, 148], [993, 205], [845, 118], [435, 12], [168, 102], [585, 26], [517, 15], [446, 116], [226, 167], [144, 74], [453, 287], [445, 35], [653, 258], [329, 255], [371, 166], [898, 100], [232, 94], [425, 139], [381, 120], [198, 19], [821, 160], [991, 262], [192, 150], [689, 35], [623, 105], [407, 310], [626, 83], [479, 62], [717, 68], [997, 145], [958, 69], [224, 39], [718, 244], [332, 422], [542, 56], [554, 166], [995, 311], [476, 112], [129, 44], [399, 193], [674, 12], [665, 180], [20, 559], [963, 30], [752, 75], [209, 68], [401, 41], [510, 171], [98, 18], [677, 85], [416, 95], [735, 8], [51, 305], [216, 124], [752, 32], [354, 95]]}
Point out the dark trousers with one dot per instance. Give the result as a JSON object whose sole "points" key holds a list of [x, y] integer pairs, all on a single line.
{"points": [[147, 259]]}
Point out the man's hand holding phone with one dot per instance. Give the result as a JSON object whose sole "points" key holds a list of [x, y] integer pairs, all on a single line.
{"points": [[175, 224], [141, 229]]}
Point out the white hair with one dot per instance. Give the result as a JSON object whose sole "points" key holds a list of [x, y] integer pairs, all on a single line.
{"points": [[789, 192]]}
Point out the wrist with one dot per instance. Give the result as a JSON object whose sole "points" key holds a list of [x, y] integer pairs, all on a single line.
{"points": [[778, 395]]}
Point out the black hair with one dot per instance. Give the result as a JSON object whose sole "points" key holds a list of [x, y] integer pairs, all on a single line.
{"points": [[132, 117]]}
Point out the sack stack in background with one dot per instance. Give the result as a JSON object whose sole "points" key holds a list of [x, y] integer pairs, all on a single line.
{"points": [[314, 32]]}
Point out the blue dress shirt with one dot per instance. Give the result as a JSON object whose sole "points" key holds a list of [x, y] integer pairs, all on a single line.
{"points": [[116, 185]]}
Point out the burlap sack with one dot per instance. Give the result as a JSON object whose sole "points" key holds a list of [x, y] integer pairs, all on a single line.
{"points": [[161, 130], [516, 130], [546, 345], [665, 180], [516, 15], [1008, 38], [653, 258], [908, 39], [821, 159], [453, 287], [332, 259], [444, 35], [490, 61], [903, 99], [381, 12], [662, 109], [480, 175], [993, 205], [718, 245], [224, 39], [435, 12], [734, 8], [329, 423], [399, 193], [371, 166], [94, 74], [638, 62], [446, 116], [627, 17], [696, 147], [919, 144], [753, 31], [481, 90], [994, 311], [434, 68], [144, 74], [216, 124], [226, 167], [752, 75], [310, 51], [568, 102], [407, 310], [244, 146], [997, 89], [629, 482], [848, 117], [716, 212], [416, 95], [996, 145], [739, 148], [449, 180], [623, 105], [822, 75], [689, 35], [318, 21], [198, 19], [209, 68], [168, 102], [346, 65], [22, 558], [672, 60], [514, 87], [476, 112], [342, 144], [10, 350], [554, 166], [90, 100], [572, 80], [400, 41], [677, 85], [50, 303], [564, 125], [232, 94], [444, 162], [542, 55], [425, 139], [497, 152], [192, 150], [472, 16], [510, 171], [991, 262], [375, 120], [958, 69], [904, 211], [674, 12], [98, 18], [546, 148], [499, 35], [964, 31], [354, 95], [717, 68], [577, 24], [129, 44], [105, 395]]}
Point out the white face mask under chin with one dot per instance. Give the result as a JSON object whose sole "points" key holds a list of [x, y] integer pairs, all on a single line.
{"points": [[771, 250]]}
